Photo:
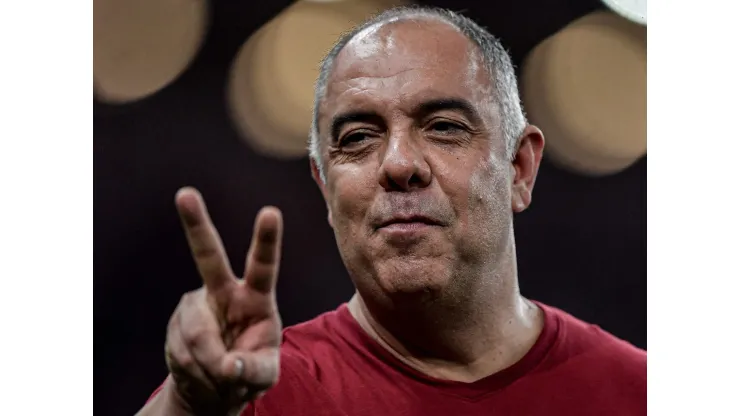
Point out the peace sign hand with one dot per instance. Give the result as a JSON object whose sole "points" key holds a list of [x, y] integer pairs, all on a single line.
{"points": [[223, 339]]}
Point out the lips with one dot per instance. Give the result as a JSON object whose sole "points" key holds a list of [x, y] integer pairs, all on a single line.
{"points": [[409, 219]]}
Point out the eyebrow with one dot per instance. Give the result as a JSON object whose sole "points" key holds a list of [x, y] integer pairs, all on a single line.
{"points": [[421, 110], [454, 104], [350, 117]]}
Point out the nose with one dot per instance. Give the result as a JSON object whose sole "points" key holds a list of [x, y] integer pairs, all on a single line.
{"points": [[403, 167]]}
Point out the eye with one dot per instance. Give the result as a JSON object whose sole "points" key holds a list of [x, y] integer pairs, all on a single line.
{"points": [[353, 137], [446, 127]]}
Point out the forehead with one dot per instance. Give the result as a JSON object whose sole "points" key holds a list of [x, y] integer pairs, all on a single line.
{"points": [[405, 61]]}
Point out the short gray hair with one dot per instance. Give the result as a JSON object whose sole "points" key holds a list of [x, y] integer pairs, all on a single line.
{"points": [[496, 58]]}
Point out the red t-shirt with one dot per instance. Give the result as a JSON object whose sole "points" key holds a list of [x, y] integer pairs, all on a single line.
{"points": [[331, 367]]}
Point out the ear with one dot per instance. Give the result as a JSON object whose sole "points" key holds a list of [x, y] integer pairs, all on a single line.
{"points": [[316, 175], [525, 165]]}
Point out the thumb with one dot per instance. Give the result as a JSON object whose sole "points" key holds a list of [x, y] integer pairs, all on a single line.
{"points": [[258, 371]]}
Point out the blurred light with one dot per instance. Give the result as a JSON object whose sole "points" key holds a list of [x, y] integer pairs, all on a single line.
{"points": [[141, 46], [586, 87], [271, 84], [633, 10]]}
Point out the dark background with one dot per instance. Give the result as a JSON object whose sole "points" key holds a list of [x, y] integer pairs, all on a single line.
{"points": [[581, 246]]}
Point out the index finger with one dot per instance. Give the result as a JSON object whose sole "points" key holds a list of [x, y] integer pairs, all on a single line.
{"points": [[205, 243]]}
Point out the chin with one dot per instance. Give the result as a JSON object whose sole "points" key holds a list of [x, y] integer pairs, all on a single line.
{"points": [[405, 277]]}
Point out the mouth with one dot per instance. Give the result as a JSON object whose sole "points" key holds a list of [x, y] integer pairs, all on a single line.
{"points": [[412, 221]]}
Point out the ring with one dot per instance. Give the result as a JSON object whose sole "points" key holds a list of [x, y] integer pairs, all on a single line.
{"points": [[239, 367]]}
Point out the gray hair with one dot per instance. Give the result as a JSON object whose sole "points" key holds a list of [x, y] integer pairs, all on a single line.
{"points": [[496, 58]]}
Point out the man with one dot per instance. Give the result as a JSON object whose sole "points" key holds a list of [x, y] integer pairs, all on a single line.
{"points": [[423, 155]]}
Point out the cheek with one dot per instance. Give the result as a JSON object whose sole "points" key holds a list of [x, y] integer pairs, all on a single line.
{"points": [[488, 198], [350, 194]]}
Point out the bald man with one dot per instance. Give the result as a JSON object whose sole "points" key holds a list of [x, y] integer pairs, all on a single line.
{"points": [[423, 155]]}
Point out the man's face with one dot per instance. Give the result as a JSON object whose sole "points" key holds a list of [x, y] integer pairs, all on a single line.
{"points": [[418, 183]]}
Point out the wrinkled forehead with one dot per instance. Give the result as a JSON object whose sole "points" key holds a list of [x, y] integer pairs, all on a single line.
{"points": [[406, 60]]}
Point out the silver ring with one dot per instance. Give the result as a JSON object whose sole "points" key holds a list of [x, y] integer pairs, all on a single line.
{"points": [[239, 366]]}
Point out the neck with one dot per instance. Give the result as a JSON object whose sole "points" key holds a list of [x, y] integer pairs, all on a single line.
{"points": [[467, 340]]}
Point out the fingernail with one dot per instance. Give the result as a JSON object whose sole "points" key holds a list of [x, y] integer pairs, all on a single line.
{"points": [[239, 367]]}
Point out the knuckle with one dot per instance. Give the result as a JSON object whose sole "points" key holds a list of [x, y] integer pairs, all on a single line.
{"points": [[188, 298], [177, 360], [185, 361], [268, 236], [203, 247], [193, 334], [185, 299], [266, 372], [197, 295], [262, 269], [195, 326], [266, 258], [172, 323]]}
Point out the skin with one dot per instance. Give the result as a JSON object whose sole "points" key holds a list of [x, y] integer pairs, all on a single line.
{"points": [[442, 296], [444, 299], [223, 340]]}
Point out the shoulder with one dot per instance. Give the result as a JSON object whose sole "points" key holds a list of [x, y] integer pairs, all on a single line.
{"points": [[314, 344], [589, 369], [598, 351], [309, 352]]}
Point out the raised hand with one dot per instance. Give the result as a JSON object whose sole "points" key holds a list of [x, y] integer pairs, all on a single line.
{"points": [[223, 339]]}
